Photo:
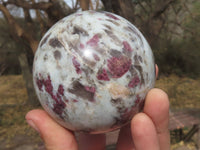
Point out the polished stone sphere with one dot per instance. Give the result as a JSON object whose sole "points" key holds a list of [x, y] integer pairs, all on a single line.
{"points": [[92, 71]]}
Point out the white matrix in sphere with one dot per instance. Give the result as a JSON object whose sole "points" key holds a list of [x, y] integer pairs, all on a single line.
{"points": [[92, 71]]}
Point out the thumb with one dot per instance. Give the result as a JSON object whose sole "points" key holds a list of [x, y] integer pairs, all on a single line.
{"points": [[55, 136]]}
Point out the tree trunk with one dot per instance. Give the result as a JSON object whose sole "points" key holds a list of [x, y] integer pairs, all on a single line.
{"points": [[112, 6], [84, 4], [32, 98]]}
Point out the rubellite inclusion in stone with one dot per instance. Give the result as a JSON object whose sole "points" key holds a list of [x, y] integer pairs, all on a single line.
{"points": [[92, 71]]}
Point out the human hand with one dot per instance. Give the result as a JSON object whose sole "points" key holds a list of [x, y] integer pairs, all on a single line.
{"points": [[147, 130]]}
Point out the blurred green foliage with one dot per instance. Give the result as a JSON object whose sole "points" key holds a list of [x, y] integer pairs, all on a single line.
{"points": [[181, 55]]}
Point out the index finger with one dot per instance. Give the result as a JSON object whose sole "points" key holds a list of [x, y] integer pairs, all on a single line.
{"points": [[157, 108]]}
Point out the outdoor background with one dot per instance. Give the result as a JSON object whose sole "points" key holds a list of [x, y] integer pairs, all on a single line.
{"points": [[172, 28]]}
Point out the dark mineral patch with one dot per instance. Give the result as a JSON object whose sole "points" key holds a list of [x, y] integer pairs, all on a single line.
{"points": [[96, 57], [45, 57], [130, 28], [118, 66], [89, 62], [100, 50], [55, 43], [139, 68], [116, 123], [126, 46], [133, 71], [79, 30], [59, 103], [57, 54], [128, 114], [111, 16], [134, 82], [76, 65], [88, 71], [82, 46], [46, 83], [39, 83], [115, 53], [93, 41], [102, 75], [81, 91], [75, 100], [138, 59], [61, 90], [117, 101], [113, 21], [125, 115], [58, 107], [90, 89], [108, 27], [44, 40], [137, 101], [48, 86], [112, 36]]}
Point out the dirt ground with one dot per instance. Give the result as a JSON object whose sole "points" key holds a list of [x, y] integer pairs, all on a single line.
{"points": [[15, 134]]}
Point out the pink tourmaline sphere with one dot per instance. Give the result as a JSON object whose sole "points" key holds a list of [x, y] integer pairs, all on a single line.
{"points": [[92, 71]]}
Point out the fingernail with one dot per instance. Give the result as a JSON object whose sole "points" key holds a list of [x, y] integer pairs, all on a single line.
{"points": [[32, 124]]}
